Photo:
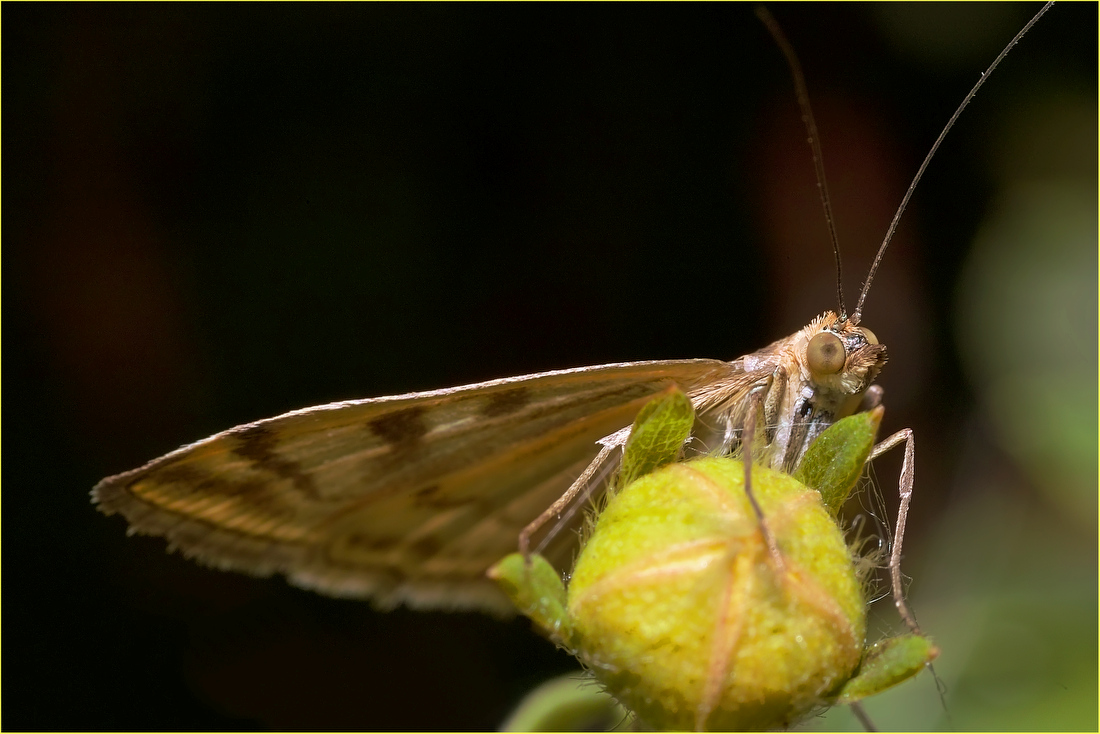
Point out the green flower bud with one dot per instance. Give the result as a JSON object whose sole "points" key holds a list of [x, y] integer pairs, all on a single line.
{"points": [[677, 605], [680, 611]]}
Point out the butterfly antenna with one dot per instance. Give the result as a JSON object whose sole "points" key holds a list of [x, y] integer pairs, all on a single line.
{"points": [[935, 146], [769, 21]]}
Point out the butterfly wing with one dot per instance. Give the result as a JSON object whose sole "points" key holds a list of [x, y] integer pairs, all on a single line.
{"points": [[401, 499]]}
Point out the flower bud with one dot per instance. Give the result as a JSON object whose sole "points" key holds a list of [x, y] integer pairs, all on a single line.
{"points": [[679, 609]]}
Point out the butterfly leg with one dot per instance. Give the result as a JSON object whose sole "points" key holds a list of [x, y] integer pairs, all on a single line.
{"points": [[582, 482], [755, 401], [729, 437], [871, 399], [905, 491], [861, 715]]}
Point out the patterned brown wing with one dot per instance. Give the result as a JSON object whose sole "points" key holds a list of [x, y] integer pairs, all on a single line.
{"points": [[402, 499]]}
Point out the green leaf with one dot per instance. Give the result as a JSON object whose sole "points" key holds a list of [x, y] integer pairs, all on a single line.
{"points": [[537, 591], [572, 702], [659, 432], [887, 663], [834, 462]]}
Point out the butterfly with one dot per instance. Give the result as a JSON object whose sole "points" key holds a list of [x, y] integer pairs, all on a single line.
{"points": [[411, 498]]}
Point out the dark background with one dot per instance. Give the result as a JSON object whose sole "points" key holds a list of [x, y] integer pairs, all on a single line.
{"points": [[217, 213]]}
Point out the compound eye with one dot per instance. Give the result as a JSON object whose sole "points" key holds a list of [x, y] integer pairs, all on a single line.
{"points": [[825, 354], [869, 335]]}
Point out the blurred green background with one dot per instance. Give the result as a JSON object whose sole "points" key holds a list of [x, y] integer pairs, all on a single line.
{"points": [[217, 213]]}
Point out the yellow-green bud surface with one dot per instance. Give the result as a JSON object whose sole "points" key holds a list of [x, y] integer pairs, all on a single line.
{"points": [[681, 612]]}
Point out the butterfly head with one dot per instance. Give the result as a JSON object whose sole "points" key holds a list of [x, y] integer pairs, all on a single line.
{"points": [[837, 355]]}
